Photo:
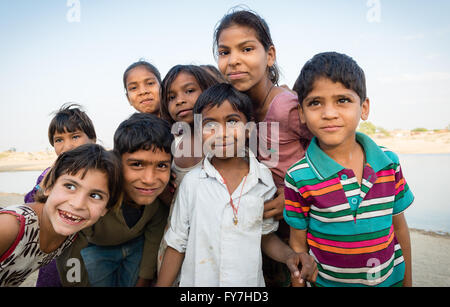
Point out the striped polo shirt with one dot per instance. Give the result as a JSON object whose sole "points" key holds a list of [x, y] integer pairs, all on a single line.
{"points": [[349, 227]]}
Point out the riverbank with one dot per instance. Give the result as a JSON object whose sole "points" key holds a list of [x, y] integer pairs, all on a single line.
{"points": [[402, 142]]}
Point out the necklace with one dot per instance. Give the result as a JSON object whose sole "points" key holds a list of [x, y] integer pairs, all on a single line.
{"points": [[235, 209]]}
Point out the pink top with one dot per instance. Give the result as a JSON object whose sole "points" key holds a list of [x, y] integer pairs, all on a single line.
{"points": [[287, 145]]}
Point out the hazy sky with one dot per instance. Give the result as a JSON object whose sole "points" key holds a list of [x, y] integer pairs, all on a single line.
{"points": [[54, 51]]}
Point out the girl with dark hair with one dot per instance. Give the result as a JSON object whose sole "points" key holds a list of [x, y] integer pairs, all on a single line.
{"points": [[246, 57], [80, 188], [142, 82], [181, 87]]}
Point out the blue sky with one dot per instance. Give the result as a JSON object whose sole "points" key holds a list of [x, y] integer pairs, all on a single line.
{"points": [[46, 60]]}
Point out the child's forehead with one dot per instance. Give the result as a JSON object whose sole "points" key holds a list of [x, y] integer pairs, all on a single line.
{"points": [[322, 85], [150, 155], [139, 72], [66, 131]]}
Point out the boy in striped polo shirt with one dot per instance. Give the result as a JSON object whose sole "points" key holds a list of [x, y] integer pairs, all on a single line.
{"points": [[345, 199]]}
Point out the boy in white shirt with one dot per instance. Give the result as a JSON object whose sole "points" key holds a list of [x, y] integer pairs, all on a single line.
{"points": [[217, 229]]}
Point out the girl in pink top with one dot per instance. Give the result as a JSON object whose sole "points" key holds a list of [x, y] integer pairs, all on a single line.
{"points": [[247, 59]]}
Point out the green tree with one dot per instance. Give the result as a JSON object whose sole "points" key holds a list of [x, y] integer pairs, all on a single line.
{"points": [[367, 128]]}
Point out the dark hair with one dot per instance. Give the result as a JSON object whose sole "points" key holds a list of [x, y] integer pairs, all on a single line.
{"points": [[204, 80], [151, 68], [212, 70], [84, 158], [334, 66], [217, 94], [249, 19], [142, 131], [70, 118]]}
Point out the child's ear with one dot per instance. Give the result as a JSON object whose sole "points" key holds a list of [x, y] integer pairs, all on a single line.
{"points": [[301, 114], [365, 109], [271, 56]]}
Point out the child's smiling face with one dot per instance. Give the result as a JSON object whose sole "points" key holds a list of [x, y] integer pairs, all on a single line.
{"points": [[143, 90], [66, 141], [224, 130], [181, 97], [75, 203], [332, 113], [242, 59], [146, 174]]}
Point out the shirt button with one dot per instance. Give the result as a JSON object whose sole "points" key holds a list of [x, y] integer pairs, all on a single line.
{"points": [[354, 201], [344, 177]]}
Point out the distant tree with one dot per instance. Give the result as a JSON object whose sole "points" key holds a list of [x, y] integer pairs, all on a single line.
{"points": [[367, 128], [419, 130]]}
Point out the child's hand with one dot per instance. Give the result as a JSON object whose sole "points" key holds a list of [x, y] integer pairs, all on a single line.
{"points": [[308, 271], [274, 208]]}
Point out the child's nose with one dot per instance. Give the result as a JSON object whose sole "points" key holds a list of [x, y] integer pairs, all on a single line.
{"points": [[148, 176], [78, 201], [329, 111]]}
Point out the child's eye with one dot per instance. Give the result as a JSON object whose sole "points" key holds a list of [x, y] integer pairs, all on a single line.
{"points": [[313, 103], [247, 49], [163, 165], [96, 196], [75, 137], [70, 186], [136, 164], [210, 125], [171, 97], [344, 100], [57, 140], [190, 91], [132, 88], [222, 52], [232, 122]]}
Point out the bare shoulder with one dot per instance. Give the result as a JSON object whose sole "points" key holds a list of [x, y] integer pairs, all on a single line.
{"points": [[9, 229]]}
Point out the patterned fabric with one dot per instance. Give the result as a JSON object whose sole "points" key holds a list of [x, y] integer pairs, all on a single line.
{"points": [[24, 257], [349, 227]]}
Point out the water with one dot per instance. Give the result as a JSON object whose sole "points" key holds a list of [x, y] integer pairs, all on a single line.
{"points": [[18, 182], [426, 175]]}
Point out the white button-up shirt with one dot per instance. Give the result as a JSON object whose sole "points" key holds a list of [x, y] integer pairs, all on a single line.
{"points": [[218, 252]]}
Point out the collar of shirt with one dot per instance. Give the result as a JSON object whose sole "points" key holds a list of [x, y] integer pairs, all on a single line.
{"points": [[324, 167], [258, 173]]}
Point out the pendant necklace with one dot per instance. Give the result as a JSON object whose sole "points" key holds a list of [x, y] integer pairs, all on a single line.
{"points": [[235, 209]]}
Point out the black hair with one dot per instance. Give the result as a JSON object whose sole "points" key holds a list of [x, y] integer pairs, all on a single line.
{"points": [[335, 66], [250, 19], [151, 68], [204, 80], [70, 118], [84, 158], [143, 131], [211, 69], [217, 94]]}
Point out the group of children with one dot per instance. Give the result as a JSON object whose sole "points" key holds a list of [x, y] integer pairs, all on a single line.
{"points": [[156, 210]]}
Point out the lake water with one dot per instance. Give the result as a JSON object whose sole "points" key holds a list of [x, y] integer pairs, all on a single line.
{"points": [[425, 174]]}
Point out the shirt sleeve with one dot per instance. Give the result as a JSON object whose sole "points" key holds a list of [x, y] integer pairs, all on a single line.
{"points": [[178, 232], [269, 225], [403, 195], [296, 209]]}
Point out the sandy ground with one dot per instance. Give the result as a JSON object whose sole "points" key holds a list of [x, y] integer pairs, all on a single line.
{"points": [[421, 143], [431, 263]]}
